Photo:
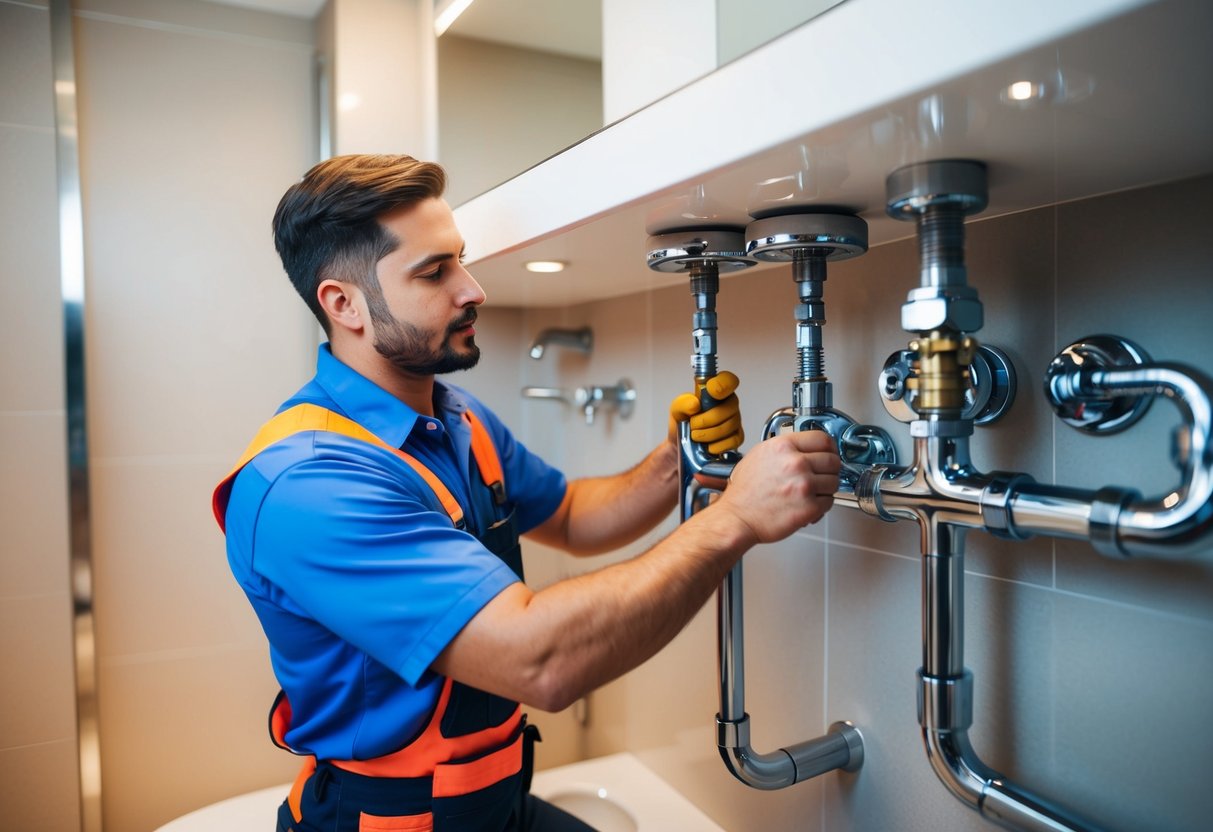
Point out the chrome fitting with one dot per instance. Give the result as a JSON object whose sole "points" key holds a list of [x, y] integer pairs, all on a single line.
{"points": [[1075, 403], [812, 394], [942, 307], [867, 493], [1106, 509], [944, 428], [733, 734], [996, 503], [945, 704]]}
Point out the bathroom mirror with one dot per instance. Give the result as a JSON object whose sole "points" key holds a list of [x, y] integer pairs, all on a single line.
{"points": [[521, 80]]}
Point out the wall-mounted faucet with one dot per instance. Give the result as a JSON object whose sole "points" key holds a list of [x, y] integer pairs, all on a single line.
{"points": [[581, 340], [619, 397]]}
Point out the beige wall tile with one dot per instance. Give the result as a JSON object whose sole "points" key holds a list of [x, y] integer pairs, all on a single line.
{"points": [[33, 503], [1128, 706], [37, 699], [38, 787], [31, 343], [494, 380], [191, 314], [160, 572], [25, 64], [181, 734]]}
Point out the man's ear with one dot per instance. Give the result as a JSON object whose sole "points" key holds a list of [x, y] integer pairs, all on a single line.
{"points": [[343, 303]]}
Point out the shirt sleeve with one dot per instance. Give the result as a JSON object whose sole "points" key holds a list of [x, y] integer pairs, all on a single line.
{"points": [[354, 537]]}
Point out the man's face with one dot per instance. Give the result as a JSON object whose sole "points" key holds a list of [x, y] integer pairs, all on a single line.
{"points": [[423, 320]]}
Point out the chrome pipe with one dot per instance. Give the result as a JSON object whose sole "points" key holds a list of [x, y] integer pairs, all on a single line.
{"points": [[1119, 522], [945, 703], [581, 340], [702, 476]]}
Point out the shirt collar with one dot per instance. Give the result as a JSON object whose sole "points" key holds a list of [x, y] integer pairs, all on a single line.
{"points": [[374, 408]]}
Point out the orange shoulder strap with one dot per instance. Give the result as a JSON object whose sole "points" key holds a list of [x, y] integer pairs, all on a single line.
{"points": [[486, 456], [307, 417]]}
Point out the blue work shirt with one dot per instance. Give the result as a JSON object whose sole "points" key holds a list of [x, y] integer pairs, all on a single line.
{"points": [[354, 568]]}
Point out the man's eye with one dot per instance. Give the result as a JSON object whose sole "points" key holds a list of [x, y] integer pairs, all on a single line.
{"points": [[434, 275]]}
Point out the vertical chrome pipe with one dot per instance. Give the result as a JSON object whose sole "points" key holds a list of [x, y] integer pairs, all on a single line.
{"points": [[945, 701], [71, 270]]}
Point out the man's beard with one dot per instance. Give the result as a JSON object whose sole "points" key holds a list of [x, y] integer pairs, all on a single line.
{"points": [[405, 345]]}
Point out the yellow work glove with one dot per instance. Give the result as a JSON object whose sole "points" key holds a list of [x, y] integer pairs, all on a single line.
{"points": [[718, 427]]}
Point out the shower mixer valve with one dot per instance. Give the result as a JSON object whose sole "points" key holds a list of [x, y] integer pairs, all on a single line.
{"points": [[808, 242]]}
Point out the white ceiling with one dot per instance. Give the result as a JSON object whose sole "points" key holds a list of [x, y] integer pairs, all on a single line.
{"points": [[567, 27]]}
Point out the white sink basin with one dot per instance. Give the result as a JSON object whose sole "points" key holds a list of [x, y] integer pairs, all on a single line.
{"points": [[595, 807], [618, 793]]}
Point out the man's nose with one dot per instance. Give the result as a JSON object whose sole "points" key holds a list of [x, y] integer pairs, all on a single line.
{"points": [[470, 291]]}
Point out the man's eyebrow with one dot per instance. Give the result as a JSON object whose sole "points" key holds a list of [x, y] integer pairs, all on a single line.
{"points": [[436, 258]]}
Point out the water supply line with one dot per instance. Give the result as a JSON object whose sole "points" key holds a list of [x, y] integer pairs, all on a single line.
{"points": [[1099, 384], [809, 242], [702, 255]]}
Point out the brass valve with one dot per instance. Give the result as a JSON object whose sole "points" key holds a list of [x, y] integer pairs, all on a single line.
{"points": [[941, 371]]}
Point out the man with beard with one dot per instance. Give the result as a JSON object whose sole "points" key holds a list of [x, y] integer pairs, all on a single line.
{"points": [[374, 522]]}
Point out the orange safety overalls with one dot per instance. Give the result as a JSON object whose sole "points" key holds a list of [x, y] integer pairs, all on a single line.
{"points": [[470, 766]]}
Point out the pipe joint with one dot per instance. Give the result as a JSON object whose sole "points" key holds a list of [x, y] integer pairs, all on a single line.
{"points": [[1104, 529], [996, 503], [942, 307], [945, 704], [867, 492], [733, 733]]}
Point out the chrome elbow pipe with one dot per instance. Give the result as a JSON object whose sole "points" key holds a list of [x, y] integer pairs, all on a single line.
{"points": [[701, 476], [581, 340], [1119, 522], [945, 712], [1177, 522]]}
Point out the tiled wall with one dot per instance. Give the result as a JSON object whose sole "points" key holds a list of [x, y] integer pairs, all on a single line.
{"points": [[38, 757], [182, 169], [1091, 675]]}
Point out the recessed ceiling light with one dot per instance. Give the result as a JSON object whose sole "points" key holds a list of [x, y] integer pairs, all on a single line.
{"points": [[545, 266]]}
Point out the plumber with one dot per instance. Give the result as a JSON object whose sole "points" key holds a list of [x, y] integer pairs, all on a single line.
{"points": [[373, 524]]}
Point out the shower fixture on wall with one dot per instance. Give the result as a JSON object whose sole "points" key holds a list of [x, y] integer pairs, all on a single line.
{"points": [[618, 398], [702, 255], [580, 339]]}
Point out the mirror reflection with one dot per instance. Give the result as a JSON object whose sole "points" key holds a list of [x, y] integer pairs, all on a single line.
{"points": [[521, 80]]}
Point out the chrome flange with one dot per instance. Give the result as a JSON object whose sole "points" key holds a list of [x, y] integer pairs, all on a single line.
{"points": [[1075, 404], [787, 237], [684, 251], [957, 183]]}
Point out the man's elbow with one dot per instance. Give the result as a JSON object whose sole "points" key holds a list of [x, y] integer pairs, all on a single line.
{"points": [[552, 689]]}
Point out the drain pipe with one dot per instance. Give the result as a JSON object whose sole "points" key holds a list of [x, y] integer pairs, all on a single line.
{"points": [[941, 490], [1099, 384], [703, 254]]}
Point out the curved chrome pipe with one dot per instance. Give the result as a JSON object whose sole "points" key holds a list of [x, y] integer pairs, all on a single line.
{"points": [[702, 476], [941, 485], [581, 340], [945, 702]]}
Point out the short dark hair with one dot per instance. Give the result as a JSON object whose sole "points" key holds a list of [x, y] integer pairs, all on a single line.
{"points": [[327, 224]]}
